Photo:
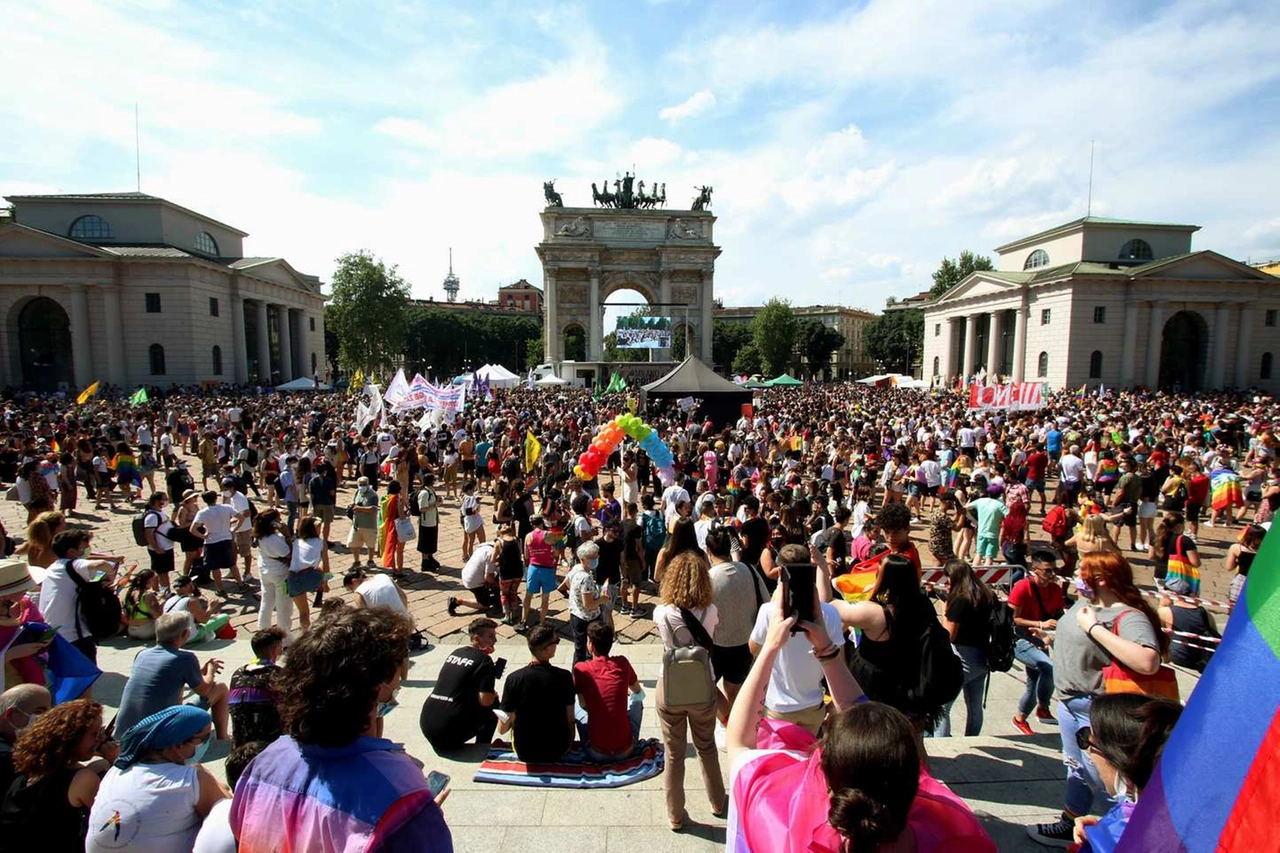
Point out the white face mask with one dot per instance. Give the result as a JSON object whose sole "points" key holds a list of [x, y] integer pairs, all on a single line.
{"points": [[1122, 788]]}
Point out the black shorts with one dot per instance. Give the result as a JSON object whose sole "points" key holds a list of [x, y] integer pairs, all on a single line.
{"points": [[1193, 512], [468, 466], [219, 555], [162, 562], [732, 663]]}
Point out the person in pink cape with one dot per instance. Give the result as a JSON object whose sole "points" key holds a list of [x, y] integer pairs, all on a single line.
{"points": [[861, 786]]}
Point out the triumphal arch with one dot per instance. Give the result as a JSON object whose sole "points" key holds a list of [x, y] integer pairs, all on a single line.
{"points": [[627, 239]]}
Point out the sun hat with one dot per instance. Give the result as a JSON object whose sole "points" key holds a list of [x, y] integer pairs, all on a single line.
{"points": [[15, 576]]}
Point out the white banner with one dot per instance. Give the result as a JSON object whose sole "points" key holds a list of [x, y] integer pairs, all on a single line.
{"points": [[1013, 397]]}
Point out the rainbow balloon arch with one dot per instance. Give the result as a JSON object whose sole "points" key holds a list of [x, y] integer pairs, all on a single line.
{"points": [[612, 434]]}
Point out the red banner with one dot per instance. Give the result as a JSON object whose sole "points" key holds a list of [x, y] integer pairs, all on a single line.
{"points": [[1015, 396]]}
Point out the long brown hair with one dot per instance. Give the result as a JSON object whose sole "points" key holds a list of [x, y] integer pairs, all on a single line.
{"points": [[1115, 571]]}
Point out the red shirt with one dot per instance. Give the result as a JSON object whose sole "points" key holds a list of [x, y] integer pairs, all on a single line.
{"points": [[1198, 489], [1037, 463], [1023, 600], [603, 685]]}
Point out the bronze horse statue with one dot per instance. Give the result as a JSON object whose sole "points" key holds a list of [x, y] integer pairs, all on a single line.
{"points": [[703, 201], [553, 197], [604, 199]]}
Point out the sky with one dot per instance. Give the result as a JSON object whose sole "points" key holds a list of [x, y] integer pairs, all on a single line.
{"points": [[851, 146]]}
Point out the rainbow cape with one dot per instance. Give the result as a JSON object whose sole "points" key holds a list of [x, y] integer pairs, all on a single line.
{"points": [[1226, 492], [1218, 781]]}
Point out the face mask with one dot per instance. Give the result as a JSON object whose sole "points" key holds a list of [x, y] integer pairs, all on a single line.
{"points": [[1122, 788], [201, 749], [384, 708], [591, 564], [1082, 588]]}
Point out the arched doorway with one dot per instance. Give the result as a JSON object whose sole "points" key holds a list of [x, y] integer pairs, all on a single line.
{"points": [[618, 303], [44, 345], [575, 343], [1184, 352]]}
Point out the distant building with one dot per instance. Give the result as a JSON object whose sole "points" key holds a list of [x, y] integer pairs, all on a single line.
{"points": [[495, 308], [1111, 302], [1269, 267], [130, 289], [918, 301], [522, 296], [849, 361], [451, 282]]}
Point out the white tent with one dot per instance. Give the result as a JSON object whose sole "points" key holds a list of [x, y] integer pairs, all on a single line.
{"points": [[302, 384], [498, 376], [550, 380]]}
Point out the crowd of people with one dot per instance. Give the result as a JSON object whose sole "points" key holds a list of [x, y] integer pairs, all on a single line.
{"points": [[819, 693]]}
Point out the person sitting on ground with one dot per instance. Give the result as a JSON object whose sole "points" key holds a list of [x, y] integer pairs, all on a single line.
{"points": [[327, 784], [206, 617], [160, 672], [141, 605], [215, 832], [1124, 739], [53, 789], [253, 699], [459, 708], [537, 703], [610, 699], [480, 577], [157, 793], [20, 706]]}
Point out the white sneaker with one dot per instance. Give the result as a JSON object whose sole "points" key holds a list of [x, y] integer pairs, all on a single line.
{"points": [[721, 737]]}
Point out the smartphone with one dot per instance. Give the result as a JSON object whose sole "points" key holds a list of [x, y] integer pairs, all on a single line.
{"points": [[437, 782], [797, 597], [499, 667]]}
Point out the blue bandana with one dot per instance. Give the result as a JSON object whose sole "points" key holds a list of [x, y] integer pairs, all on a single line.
{"points": [[163, 729]]}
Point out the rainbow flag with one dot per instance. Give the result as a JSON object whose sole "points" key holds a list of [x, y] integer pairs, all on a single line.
{"points": [[1108, 470], [1226, 492], [953, 472], [1218, 781]]}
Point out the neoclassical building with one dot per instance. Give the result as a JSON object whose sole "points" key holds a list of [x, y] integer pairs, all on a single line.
{"points": [[1110, 302], [131, 289]]}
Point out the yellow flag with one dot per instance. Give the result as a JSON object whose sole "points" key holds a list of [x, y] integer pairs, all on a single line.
{"points": [[356, 385], [532, 450], [87, 393]]}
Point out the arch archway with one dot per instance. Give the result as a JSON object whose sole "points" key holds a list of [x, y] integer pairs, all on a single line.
{"points": [[575, 342], [44, 345], [1184, 351], [623, 300]]}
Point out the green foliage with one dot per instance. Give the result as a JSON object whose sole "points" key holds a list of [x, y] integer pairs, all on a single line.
{"points": [[450, 342], [612, 352], [952, 272], [575, 344], [367, 312], [774, 332], [747, 360], [727, 340], [534, 351], [679, 342], [332, 347], [895, 339], [817, 342]]}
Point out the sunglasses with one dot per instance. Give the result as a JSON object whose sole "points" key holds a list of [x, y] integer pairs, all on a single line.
{"points": [[1084, 740]]}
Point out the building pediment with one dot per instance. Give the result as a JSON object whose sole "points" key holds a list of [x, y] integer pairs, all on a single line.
{"points": [[276, 271], [1204, 265], [985, 283], [20, 241]]}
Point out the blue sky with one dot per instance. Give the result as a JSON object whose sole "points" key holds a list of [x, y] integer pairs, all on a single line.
{"points": [[851, 146]]}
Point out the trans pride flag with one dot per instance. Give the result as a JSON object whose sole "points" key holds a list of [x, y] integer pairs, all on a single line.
{"points": [[1218, 781]]}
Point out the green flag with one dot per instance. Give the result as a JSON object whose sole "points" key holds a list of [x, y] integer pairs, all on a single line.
{"points": [[139, 397], [616, 383]]}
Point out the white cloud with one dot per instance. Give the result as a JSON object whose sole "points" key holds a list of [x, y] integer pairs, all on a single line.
{"points": [[652, 151], [695, 104]]}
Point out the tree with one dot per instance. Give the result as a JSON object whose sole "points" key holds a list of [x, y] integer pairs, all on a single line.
{"points": [[727, 340], [895, 339], [774, 332], [575, 344], [612, 352], [369, 307], [533, 352], [679, 337], [449, 342], [747, 361], [331, 344], [952, 272], [817, 342]]}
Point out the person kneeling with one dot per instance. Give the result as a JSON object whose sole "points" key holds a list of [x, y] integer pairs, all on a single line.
{"points": [[610, 699], [459, 708], [538, 703]]}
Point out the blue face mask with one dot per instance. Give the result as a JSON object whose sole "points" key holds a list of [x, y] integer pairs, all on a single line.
{"points": [[201, 749], [591, 564], [1082, 588]]}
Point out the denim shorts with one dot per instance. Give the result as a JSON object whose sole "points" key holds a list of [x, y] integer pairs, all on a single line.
{"points": [[540, 579]]}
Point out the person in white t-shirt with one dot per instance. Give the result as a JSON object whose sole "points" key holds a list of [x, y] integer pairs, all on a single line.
{"points": [[59, 592], [214, 524], [480, 577], [671, 498], [215, 831], [376, 591], [242, 533]]}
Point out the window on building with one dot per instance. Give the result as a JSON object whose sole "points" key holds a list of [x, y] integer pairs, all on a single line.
{"points": [[90, 228], [1042, 365], [1045, 315], [206, 244], [156, 354], [1095, 365], [1099, 313], [312, 320], [1265, 373], [935, 365], [1136, 250], [217, 361], [937, 329], [153, 303], [213, 306], [1270, 318], [1038, 258]]}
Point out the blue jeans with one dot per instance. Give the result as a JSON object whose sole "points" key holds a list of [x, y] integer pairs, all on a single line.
{"points": [[1083, 782], [974, 660], [635, 714], [1039, 676]]}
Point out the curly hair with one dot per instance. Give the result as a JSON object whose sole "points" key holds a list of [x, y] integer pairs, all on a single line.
{"points": [[49, 743], [687, 582], [329, 683]]}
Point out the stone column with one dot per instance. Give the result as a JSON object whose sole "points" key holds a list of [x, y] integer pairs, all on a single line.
{"points": [[81, 355], [1155, 334], [949, 350], [1218, 354], [664, 296], [970, 333], [1244, 345], [1129, 346], [239, 350], [286, 344], [115, 335], [264, 343], [1020, 343], [551, 349], [993, 348], [595, 328], [706, 324]]}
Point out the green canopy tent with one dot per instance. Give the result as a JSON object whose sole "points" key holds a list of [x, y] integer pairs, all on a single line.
{"points": [[783, 380], [751, 383]]}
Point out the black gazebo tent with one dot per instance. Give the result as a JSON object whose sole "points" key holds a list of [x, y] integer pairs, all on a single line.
{"points": [[719, 398]]}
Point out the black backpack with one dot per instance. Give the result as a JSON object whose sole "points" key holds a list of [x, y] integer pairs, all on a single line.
{"points": [[98, 606], [1002, 639], [140, 527]]}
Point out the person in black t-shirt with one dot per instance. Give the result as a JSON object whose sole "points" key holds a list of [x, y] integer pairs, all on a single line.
{"points": [[460, 706], [633, 563], [609, 569], [538, 703], [754, 532], [967, 618]]}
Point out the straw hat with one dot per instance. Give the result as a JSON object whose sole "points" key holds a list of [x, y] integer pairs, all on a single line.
{"points": [[15, 576]]}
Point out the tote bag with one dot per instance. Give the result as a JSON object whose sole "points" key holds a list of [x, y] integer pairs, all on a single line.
{"points": [[1180, 568], [1118, 678]]}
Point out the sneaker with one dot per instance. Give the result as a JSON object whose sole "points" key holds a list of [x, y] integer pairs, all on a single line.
{"points": [[453, 606], [1060, 833], [1046, 716], [1022, 726], [522, 628], [624, 609]]}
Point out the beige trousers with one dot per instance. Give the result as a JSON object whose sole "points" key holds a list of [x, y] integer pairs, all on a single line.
{"points": [[677, 723]]}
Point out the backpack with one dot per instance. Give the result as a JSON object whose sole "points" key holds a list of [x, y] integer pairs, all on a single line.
{"points": [[140, 527], [655, 532], [97, 605], [1055, 523], [1002, 639], [571, 538], [686, 670]]}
